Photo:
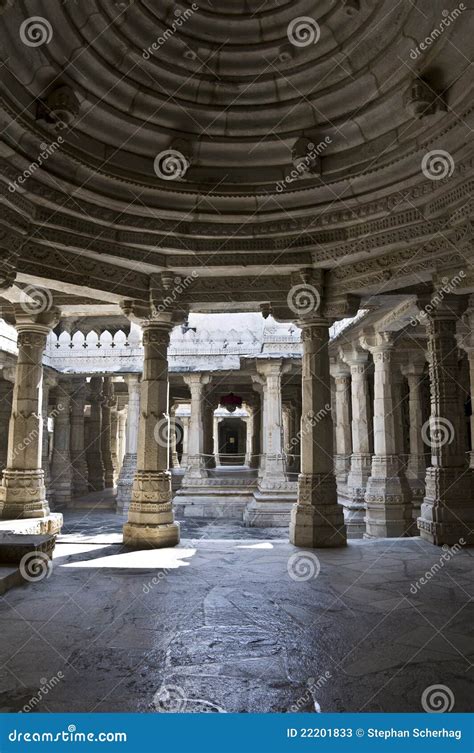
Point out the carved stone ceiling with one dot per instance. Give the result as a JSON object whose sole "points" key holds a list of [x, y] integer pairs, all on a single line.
{"points": [[237, 139]]}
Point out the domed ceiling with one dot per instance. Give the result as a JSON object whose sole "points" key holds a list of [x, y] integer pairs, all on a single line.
{"points": [[257, 138]]}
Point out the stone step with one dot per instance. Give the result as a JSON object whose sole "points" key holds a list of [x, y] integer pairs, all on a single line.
{"points": [[15, 547]]}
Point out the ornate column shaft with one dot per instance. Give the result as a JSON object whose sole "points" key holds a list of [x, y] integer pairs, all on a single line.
{"points": [[6, 396], [447, 513], [274, 464], [316, 519], [61, 467], [256, 433], [94, 454], [361, 458], [388, 495], [114, 442], [416, 468], [173, 438], [80, 484], [208, 431], [122, 427], [48, 382], [129, 465], [342, 379], [106, 433], [150, 516], [22, 493], [196, 466]]}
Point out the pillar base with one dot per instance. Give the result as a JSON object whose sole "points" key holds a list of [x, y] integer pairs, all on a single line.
{"points": [[354, 515], [23, 495], [141, 536], [317, 520], [125, 482], [150, 517], [388, 500], [447, 515]]}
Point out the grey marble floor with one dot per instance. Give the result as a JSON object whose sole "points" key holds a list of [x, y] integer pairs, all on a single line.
{"points": [[235, 619]]}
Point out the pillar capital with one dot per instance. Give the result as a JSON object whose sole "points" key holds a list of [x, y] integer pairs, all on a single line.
{"points": [[379, 342]]}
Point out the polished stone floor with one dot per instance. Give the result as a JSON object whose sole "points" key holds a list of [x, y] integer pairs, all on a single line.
{"points": [[235, 619]]}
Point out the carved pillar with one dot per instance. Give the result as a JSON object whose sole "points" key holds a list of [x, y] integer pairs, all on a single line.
{"points": [[48, 382], [129, 465], [80, 485], [467, 343], [342, 460], [274, 466], [114, 442], [316, 519], [388, 495], [416, 468], [6, 395], [361, 458], [196, 466], [22, 493], [150, 516], [61, 468], [215, 440], [106, 435], [208, 430], [184, 456], [122, 423], [94, 455], [173, 438], [447, 512], [256, 433]]}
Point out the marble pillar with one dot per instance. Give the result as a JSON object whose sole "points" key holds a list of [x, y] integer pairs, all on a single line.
{"points": [[150, 517], [256, 433], [22, 491], [447, 513], [416, 466], [122, 424], [80, 485], [342, 461], [388, 495], [208, 430], [196, 466], [106, 433], [317, 520], [61, 467], [274, 465], [49, 381], [129, 465], [94, 454], [174, 428], [6, 395], [114, 442], [361, 458]]}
